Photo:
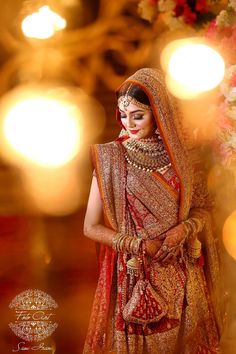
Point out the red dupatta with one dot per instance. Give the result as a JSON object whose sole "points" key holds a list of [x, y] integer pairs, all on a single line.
{"points": [[110, 171]]}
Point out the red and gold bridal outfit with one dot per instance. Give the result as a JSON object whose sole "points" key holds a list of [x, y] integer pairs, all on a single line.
{"points": [[146, 205]]}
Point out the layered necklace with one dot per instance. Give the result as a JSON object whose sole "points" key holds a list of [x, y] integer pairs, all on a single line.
{"points": [[147, 154]]}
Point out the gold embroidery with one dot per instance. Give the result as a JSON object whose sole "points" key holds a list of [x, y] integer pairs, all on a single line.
{"points": [[140, 204]]}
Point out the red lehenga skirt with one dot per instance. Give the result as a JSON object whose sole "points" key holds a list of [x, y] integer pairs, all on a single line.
{"points": [[176, 295]]}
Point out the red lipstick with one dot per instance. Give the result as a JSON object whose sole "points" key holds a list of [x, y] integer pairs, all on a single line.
{"points": [[133, 131]]}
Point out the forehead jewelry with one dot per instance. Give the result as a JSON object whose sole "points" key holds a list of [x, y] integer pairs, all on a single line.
{"points": [[124, 101]]}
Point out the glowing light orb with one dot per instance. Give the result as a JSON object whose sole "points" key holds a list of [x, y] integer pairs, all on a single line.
{"points": [[42, 24], [229, 235], [54, 191], [45, 131], [192, 68], [42, 129]]}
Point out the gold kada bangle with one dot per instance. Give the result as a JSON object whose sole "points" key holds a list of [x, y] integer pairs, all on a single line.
{"points": [[192, 226], [127, 244]]}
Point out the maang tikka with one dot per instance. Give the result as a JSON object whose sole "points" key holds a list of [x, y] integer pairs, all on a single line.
{"points": [[125, 100]]}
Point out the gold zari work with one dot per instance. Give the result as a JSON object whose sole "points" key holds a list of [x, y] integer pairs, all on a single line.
{"points": [[147, 154], [146, 205]]}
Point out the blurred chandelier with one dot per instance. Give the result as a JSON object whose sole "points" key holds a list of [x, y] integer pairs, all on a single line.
{"points": [[103, 50]]}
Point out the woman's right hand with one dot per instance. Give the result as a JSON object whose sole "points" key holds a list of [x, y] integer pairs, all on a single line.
{"points": [[172, 245]]}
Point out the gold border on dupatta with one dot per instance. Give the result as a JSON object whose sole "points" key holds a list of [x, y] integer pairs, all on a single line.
{"points": [[166, 114]]}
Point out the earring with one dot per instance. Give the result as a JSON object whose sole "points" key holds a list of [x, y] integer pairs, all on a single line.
{"points": [[158, 134], [123, 132]]}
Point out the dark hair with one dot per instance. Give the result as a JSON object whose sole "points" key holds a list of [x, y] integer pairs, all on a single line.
{"points": [[134, 91]]}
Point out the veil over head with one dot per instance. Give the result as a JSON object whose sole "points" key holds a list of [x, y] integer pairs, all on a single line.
{"points": [[167, 118], [111, 172]]}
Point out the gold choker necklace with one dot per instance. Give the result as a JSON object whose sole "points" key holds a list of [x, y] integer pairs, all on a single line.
{"points": [[150, 146], [147, 154]]}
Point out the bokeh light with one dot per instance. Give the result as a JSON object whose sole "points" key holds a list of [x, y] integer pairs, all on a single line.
{"points": [[229, 234], [54, 192], [44, 130], [42, 24], [192, 67]]}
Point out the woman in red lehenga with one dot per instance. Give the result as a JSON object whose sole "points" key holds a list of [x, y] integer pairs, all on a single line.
{"points": [[148, 209]]}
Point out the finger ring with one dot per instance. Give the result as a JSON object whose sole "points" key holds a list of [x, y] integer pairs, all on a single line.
{"points": [[165, 248]]}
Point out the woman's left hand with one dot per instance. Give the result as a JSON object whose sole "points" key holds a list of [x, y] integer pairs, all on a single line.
{"points": [[172, 244]]}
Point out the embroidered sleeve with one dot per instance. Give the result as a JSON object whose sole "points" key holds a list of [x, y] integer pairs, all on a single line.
{"points": [[201, 197], [202, 201]]}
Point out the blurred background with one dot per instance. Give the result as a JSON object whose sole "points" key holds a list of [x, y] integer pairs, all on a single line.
{"points": [[60, 64]]}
